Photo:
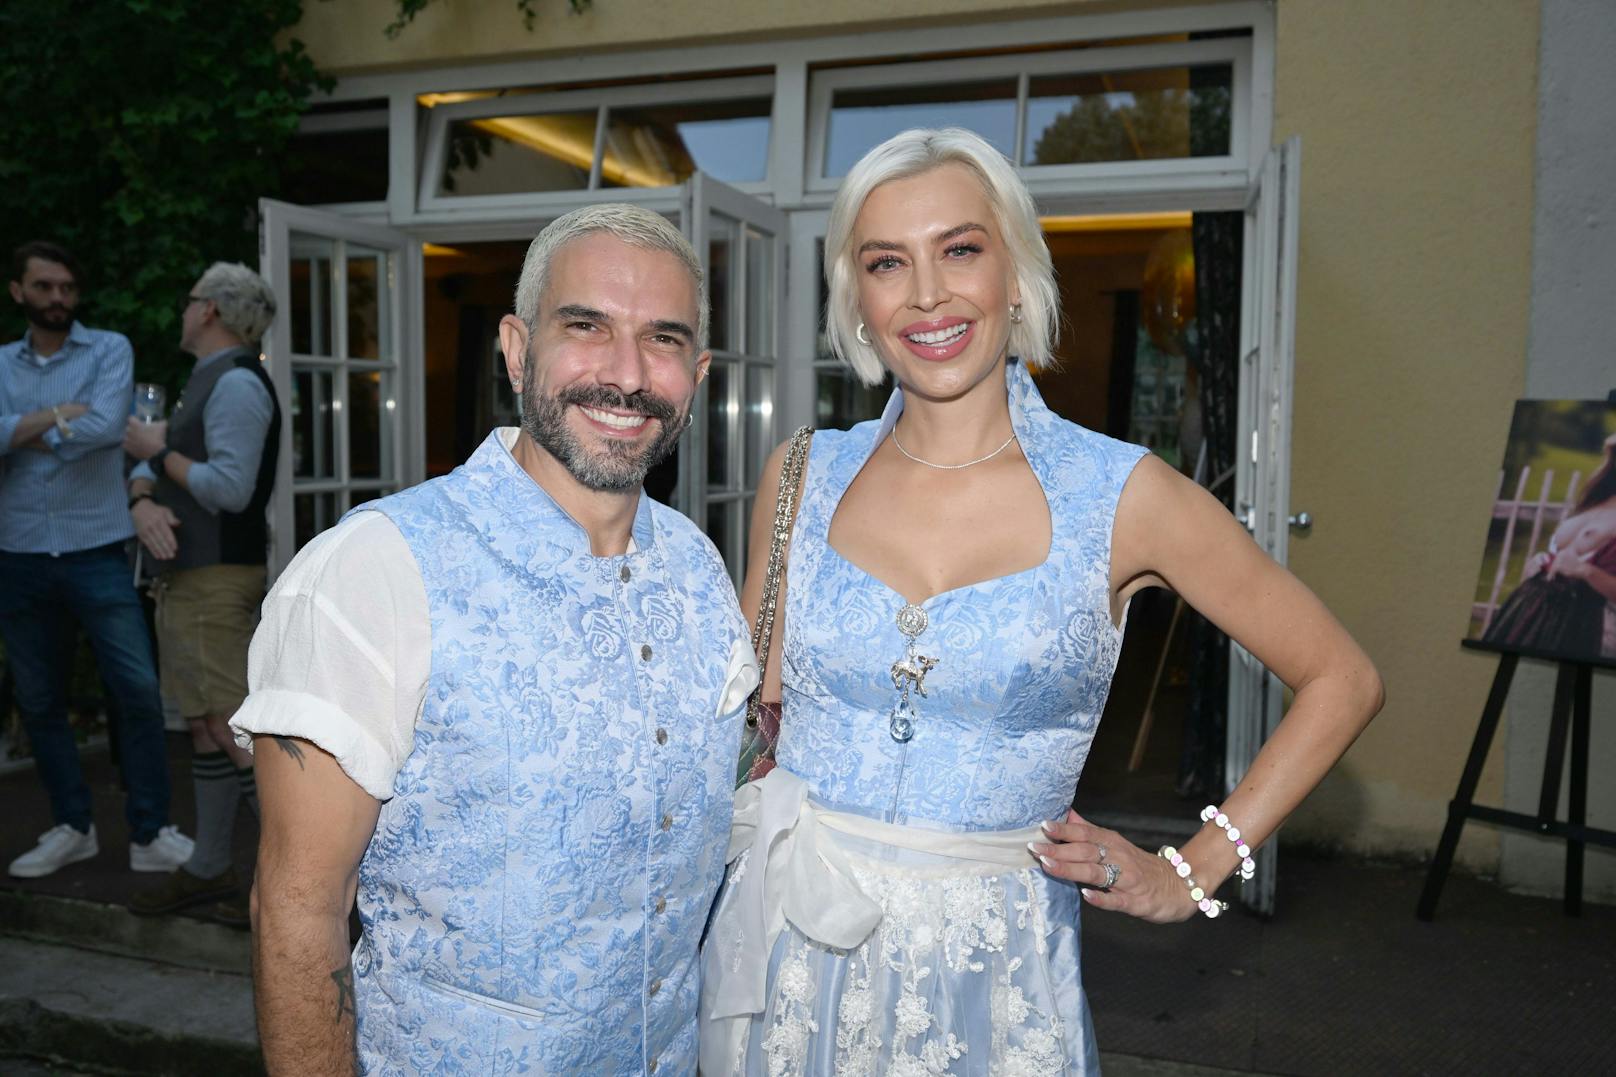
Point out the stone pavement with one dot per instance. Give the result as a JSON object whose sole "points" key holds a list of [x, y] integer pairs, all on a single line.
{"points": [[1343, 980]]}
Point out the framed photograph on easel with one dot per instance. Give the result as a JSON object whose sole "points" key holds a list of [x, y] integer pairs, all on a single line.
{"points": [[1547, 590]]}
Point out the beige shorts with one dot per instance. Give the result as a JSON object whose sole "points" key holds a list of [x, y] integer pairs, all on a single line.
{"points": [[205, 620]]}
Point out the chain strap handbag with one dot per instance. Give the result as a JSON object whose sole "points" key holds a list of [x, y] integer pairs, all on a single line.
{"points": [[763, 719]]}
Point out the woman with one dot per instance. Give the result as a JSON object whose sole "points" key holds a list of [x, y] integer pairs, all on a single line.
{"points": [[1566, 602], [953, 604]]}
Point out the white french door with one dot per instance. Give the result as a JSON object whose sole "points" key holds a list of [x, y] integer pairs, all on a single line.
{"points": [[1262, 454], [742, 245], [344, 358]]}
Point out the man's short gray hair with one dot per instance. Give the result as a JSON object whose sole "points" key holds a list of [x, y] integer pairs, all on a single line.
{"points": [[913, 153], [633, 225], [244, 300]]}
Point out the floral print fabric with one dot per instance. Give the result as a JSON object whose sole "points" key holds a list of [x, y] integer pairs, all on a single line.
{"points": [[536, 887], [964, 974]]}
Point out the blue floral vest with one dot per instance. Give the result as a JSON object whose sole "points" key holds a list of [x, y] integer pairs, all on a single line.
{"points": [[537, 886]]}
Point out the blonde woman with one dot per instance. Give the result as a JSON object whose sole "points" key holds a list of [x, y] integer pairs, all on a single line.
{"points": [[905, 887]]}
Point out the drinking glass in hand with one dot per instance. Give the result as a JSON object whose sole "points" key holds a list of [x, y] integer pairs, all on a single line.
{"points": [[150, 401]]}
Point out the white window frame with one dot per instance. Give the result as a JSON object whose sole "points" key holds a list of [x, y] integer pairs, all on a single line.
{"points": [[1230, 168], [603, 101]]}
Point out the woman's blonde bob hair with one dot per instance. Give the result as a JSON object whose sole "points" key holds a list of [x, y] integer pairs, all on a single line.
{"points": [[910, 154]]}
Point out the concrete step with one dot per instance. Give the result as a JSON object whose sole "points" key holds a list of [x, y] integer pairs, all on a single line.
{"points": [[113, 929], [124, 1014]]}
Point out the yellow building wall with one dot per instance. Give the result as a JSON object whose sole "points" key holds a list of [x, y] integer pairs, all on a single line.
{"points": [[1417, 121], [1417, 125]]}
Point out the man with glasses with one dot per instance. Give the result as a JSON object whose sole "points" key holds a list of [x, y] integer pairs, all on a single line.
{"points": [[198, 500], [64, 392]]}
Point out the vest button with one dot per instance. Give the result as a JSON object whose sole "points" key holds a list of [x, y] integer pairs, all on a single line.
{"points": [[656, 985], [662, 736], [651, 1066], [624, 574], [661, 904], [667, 822], [645, 652]]}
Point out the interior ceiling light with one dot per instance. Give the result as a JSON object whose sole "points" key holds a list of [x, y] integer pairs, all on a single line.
{"points": [[1115, 222]]}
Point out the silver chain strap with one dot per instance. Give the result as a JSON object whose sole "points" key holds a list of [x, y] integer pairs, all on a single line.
{"points": [[784, 512]]}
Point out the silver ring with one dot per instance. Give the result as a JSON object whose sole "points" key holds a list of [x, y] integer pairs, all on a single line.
{"points": [[1113, 872], [1103, 852]]}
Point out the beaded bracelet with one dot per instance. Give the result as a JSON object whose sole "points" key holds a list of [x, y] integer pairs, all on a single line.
{"points": [[1248, 866], [1209, 905]]}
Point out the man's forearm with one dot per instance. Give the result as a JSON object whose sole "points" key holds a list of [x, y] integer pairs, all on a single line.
{"points": [[31, 425], [303, 980]]}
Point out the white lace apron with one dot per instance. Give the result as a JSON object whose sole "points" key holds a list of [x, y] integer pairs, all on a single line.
{"points": [[842, 944]]}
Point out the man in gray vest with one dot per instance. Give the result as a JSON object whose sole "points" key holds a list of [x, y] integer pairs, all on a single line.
{"points": [[198, 503]]}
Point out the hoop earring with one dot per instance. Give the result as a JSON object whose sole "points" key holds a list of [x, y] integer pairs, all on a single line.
{"points": [[690, 417], [1015, 313], [862, 337]]}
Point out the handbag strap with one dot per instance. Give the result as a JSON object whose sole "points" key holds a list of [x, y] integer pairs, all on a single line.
{"points": [[785, 512]]}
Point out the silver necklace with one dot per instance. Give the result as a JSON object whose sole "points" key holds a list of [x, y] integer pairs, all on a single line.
{"points": [[951, 467], [909, 673]]}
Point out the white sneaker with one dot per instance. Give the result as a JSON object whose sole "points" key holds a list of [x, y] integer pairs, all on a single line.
{"points": [[58, 847], [167, 851]]}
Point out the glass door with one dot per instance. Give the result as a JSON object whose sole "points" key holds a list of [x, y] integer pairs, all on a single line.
{"points": [[342, 356], [741, 242], [1263, 452]]}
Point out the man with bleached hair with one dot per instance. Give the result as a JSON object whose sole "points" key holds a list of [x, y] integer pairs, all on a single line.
{"points": [[504, 707], [197, 501]]}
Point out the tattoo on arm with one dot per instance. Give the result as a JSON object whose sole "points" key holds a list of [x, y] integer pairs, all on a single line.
{"points": [[343, 978], [290, 747]]}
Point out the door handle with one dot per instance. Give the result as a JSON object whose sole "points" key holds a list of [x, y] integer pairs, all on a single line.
{"points": [[1302, 522]]}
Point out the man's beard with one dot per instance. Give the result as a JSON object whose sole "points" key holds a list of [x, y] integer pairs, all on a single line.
{"points": [[54, 318], [616, 467]]}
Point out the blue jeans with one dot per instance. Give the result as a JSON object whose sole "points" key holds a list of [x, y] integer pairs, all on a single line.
{"points": [[36, 592]]}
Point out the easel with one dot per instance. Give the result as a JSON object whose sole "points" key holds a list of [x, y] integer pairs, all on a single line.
{"points": [[1573, 703]]}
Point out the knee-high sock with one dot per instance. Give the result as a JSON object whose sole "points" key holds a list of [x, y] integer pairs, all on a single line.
{"points": [[249, 787], [217, 792]]}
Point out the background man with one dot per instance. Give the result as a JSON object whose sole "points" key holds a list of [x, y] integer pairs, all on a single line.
{"points": [[198, 503], [505, 707], [64, 393]]}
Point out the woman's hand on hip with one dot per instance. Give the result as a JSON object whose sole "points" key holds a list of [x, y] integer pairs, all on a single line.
{"points": [[1141, 884]]}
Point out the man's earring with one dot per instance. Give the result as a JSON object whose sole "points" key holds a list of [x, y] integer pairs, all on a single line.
{"points": [[690, 417], [862, 337]]}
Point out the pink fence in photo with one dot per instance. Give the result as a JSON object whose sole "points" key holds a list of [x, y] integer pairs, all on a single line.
{"points": [[1515, 510]]}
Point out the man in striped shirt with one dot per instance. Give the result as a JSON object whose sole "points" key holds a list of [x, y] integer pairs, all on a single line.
{"points": [[65, 391]]}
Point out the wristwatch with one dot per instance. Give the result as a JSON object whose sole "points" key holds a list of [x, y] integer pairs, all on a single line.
{"points": [[155, 461], [144, 495]]}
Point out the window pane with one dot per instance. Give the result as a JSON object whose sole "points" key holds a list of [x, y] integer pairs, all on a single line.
{"points": [[370, 438], [519, 154], [1129, 115], [337, 166], [862, 119], [311, 295], [724, 528], [760, 295], [759, 420], [720, 248], [312, 425], [841, 400], [369, 320], [311, 514], [660, 146], [722, 419]]}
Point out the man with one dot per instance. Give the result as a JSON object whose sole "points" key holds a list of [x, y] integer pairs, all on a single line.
{"points": [[64, 393], [198, 502], [504, 707]]}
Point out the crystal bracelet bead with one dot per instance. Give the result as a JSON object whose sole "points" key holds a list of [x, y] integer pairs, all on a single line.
{"points": [[1211, 906]]}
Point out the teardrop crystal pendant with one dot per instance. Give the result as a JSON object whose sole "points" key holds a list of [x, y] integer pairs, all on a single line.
{"points": [[902, 723]]}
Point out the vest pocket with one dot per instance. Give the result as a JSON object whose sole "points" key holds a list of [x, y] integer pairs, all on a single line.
{"points": [[509, 1009]]}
